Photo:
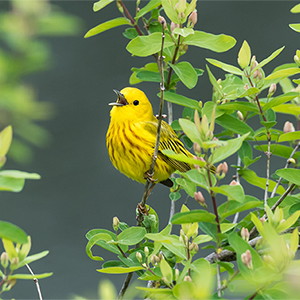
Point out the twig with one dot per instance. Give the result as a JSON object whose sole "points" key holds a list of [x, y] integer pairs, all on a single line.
{"points": [[125, 285], [219, 281], [36, 282], [239, 163], [268, 168], [286, 165]]}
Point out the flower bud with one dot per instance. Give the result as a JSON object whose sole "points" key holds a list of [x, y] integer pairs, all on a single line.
{"points": [[272, 89], [245, 234], [247, 259], [199, 198], [263, 220], [181, 6], [254, 62], [288, 127], [139, 256], [7, 286], [197, 148], [165, 280], [233, 182], [14, 263], [187, 278], [297, 60], [161, 256], [240, 115], [162, 21], [116, 223], [246, 86], [292, 161], [219, 168], [176, 274], [146, 250], [193, 18], [225, 167], [4, 260], [152, 260]]}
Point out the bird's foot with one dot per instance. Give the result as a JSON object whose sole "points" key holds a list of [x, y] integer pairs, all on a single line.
{"points": [[142, 210], [149, 177]]}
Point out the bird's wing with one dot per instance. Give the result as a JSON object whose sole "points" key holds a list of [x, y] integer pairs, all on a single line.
{"points": [[169, 140]]}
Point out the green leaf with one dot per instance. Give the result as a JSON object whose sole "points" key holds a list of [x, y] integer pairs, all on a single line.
{"points": [[184, 290], [187, 185], [242, 93], [280, 100], [279, 150], [170, 11], [244, 55], [295, 9], [12, 232], [187, 74], [295, 27], [234, 124], [291, 109], [269, 124], [231, 147], [19, 174], [232, 207], [226, 67], [166, 270], [119, 270], [190, 130], [174, 196], [241, 106], [100, 4], [233, 192], [181, 100], [145, 75], [251, 177], [289, 222], [107, 25], [31, 258], [283, 73], [147, 45], [29, 276], [11, 184], [210, 229], [268, 59], [183, 31], [202, 238], [225, 227], [184, 158], [197, 215], [150, 5], [5, 140], [291, 175], [198, 178], [9, 248], [217, 43], [213, 81], [93, 240], [245, 151], [131, 236], [289, 136]]}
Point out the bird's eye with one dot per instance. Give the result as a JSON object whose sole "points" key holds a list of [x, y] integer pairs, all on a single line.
{"points": [[136, 102]]}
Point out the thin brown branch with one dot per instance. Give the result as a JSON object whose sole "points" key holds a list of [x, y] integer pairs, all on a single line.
{"points": [[125, 285]]}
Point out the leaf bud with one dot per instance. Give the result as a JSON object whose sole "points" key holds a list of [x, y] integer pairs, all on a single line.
{"points": [[297, 59], [199, 198], [165, 280], [161, 256], [187, 278], [116, 223], [9, 285], [4, 260], [240, 115], [245, 234], [272, 89], [269, 260], [146, 250], [144, 265], [152, 260], [193, 18], [14, 263], [288, 127], [247, 259]]}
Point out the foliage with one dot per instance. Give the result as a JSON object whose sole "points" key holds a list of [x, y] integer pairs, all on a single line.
{"points": [[22, 53], [263, 243], [15, 241]]}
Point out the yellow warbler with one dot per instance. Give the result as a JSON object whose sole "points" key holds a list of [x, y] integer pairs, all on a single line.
{"points": [[131, 138]]}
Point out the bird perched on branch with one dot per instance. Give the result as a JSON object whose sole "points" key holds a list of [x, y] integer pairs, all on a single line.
{"points": [[131, 138]]}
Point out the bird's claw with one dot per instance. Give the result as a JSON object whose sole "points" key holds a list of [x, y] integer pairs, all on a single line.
{"points": [[149, 177], [143, 210]]}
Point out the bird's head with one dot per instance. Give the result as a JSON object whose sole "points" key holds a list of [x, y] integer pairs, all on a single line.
{"points": [[132, 104]]}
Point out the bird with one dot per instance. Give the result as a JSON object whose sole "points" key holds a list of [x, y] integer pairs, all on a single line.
{"points": [[131, 139]]}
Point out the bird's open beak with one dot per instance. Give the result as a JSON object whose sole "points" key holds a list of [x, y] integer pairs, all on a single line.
{"points": [[121, 101]]}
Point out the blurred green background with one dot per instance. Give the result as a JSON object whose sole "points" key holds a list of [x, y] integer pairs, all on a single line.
{"points": [[54, 90]]}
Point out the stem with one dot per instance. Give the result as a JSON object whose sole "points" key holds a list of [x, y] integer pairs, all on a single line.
{"points": [[219, 281], [286, 165], [130, 18], [268, 168], [125, 285], [173, 61], [239, 163], [36, 283]]}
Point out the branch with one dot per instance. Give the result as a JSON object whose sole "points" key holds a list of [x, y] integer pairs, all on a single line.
{"points": [[125, 285], [36, 282], [286, 165]]}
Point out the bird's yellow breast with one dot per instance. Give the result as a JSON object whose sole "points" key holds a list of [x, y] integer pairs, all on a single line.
{"points": [[131, 147]]}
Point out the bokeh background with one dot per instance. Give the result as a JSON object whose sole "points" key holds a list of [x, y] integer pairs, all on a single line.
{"points": [[65, 141]]}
